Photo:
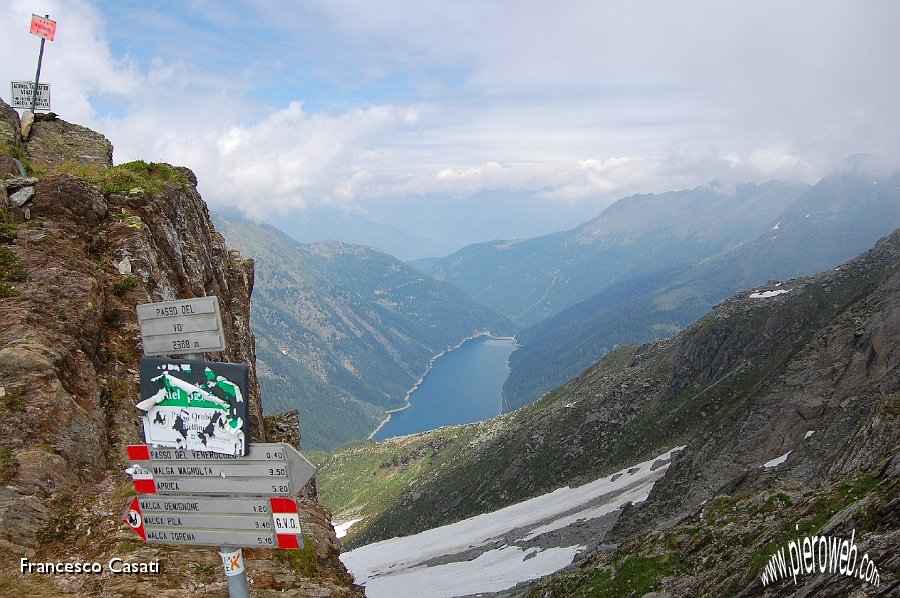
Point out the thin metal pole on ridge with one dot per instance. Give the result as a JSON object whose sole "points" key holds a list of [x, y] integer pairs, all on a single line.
{"points": [[37, 76]]}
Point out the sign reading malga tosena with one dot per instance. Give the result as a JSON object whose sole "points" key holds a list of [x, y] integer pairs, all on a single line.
{"points": [[43, 27], [195, 405]]}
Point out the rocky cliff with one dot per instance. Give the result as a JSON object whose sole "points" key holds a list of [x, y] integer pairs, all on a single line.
{"points": [[81, 243]]}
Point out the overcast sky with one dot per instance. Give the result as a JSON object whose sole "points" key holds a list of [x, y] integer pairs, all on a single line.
{"points": [[281, 105]]}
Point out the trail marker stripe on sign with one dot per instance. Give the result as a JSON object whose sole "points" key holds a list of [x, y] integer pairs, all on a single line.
{"points": [[287, 523]]}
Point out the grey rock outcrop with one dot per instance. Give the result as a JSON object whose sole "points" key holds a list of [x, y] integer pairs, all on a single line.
{"points": [[9, 125], [55, 141]]}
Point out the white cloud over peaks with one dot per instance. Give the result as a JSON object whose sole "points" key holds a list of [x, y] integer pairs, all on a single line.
{"points": [[570, 180], [287, 159]]}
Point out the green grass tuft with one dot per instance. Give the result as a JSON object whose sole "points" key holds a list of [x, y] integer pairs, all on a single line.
{"points": [[126, 178], [303, 561], [122, 287]]}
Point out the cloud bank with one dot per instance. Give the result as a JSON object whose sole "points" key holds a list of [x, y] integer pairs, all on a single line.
{"points": [[279, 106]]}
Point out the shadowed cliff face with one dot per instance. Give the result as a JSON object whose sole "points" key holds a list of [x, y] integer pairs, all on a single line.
{"points": [[90, 243]]}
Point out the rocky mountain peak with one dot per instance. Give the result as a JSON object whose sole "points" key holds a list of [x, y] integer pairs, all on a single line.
{"points": [[81, 243]]}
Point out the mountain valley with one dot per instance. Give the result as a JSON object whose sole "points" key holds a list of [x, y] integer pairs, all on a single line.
{"points": [[743, 388]]}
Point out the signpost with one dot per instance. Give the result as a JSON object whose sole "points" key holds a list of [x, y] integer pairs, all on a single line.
{"points": [[179, 327], [22, 95], [202, 483], [269, 469], [203, 521], [45, 29]]}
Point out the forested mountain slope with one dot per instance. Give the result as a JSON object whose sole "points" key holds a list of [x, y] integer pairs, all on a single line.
{"points": [[642, 235], [344, 331]]}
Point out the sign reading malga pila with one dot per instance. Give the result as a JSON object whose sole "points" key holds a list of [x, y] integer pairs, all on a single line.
{"points": [[21, 93], [195, 405]]}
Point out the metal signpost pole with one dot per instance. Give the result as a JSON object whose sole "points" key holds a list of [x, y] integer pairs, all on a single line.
{"points": [[197, 479], [37, 77], [232, 556]]}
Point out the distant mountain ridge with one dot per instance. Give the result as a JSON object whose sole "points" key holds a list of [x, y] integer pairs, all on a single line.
{"points": [[827, 224], [343, 331], [532, 279]]}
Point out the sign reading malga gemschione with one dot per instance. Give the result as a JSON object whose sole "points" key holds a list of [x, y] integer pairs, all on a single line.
{"points": [[195, 405]]}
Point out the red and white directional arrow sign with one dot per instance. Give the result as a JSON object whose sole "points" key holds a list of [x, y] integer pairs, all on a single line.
{"points": [[272, 522], [273, 469]]}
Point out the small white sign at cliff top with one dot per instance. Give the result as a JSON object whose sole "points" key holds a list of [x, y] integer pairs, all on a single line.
{"points": [[21, 93], [183, 326]]}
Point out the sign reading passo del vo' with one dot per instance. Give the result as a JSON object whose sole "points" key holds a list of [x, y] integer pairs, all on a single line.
{"points": [[195, 405], [182, 326]]}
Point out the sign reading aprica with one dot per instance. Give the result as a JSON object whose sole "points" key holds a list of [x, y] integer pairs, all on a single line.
{"points": [[43, 27]]}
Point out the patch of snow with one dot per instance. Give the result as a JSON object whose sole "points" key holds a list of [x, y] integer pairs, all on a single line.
{"points": [[637, 494], [506, 245], [395, 568], [777, 460], [808, 434], [493, 571], [767, 294], [342, 529]]}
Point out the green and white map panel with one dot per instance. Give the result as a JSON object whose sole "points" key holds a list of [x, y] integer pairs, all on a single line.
{"points": [[195, 405]]}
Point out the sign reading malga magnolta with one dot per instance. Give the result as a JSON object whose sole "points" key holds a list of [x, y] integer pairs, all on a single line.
{"points": [[43, 27], [195, 405]]}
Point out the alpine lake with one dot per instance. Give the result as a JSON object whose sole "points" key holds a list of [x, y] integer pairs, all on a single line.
{"points": [[462, 386]]}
